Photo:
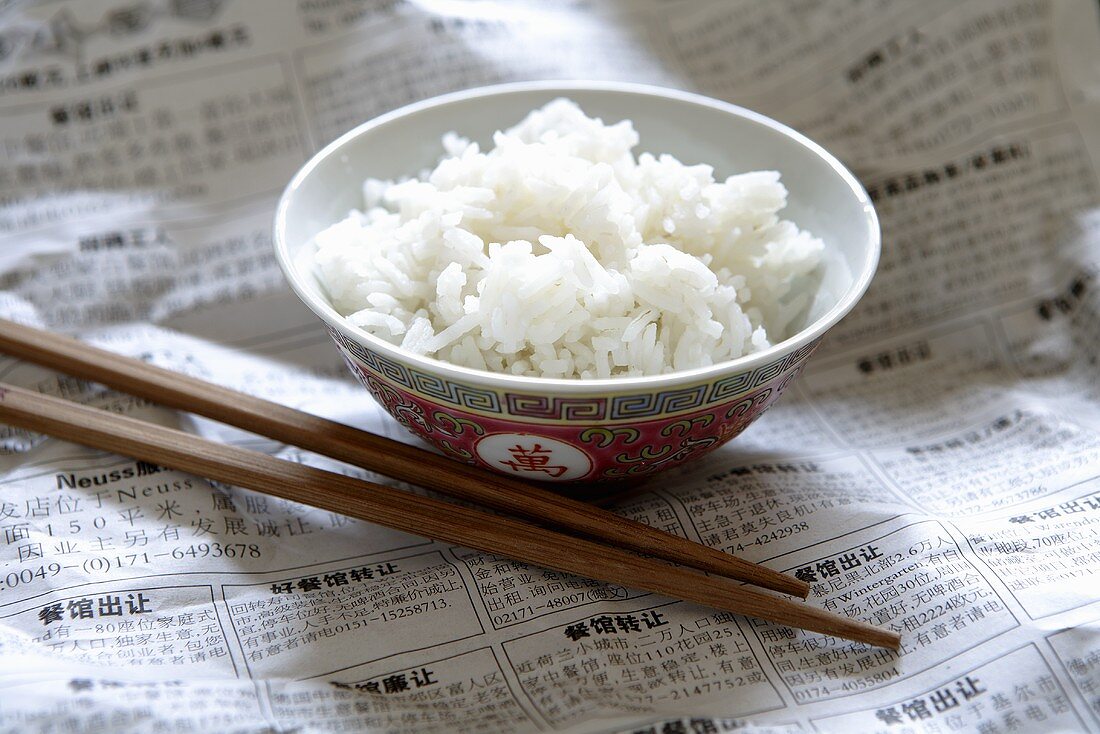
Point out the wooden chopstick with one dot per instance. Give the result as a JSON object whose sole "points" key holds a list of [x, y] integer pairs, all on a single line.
{"points": [[376, 453], [412, 513]]}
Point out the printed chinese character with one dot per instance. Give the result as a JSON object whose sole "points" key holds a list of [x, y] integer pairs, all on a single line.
{"points": [[848, 561], [336, 578], [969, 687], [916, 709], [110, 606], [168, 509], [310, 583], [423, 677], [255, 505], [603, 625], [535, 459], [202, 526], [628, 623], [137, 605], [51, 613], [29, 551], [267, 528], [889, 716], [80, 609], [223, 501], [136, 538], [395, 683], [235, 526], [145, 468], [943, 700], [15, 533]]}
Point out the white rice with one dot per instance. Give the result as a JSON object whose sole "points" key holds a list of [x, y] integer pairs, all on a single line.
{"points": [[558, 254]]}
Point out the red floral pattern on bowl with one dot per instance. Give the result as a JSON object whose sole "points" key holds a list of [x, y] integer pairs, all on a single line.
{"points": [[571, 439]]}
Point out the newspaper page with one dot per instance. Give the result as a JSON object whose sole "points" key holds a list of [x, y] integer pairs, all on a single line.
{"points": [[936, 470]]}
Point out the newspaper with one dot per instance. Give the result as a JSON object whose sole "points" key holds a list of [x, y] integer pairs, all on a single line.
{"points": [[934, 470]]}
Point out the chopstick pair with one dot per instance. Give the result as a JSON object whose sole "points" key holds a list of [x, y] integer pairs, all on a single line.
{"points": [[384, 505]]}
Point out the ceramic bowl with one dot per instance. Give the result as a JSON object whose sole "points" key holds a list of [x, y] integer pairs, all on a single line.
{"points": [[582, 430]]}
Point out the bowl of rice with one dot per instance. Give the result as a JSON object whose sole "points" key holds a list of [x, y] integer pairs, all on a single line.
{"points": [[576, 281]]}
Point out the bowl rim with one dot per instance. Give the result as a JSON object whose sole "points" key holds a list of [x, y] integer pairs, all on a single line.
{"points": [[500, 381]]}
